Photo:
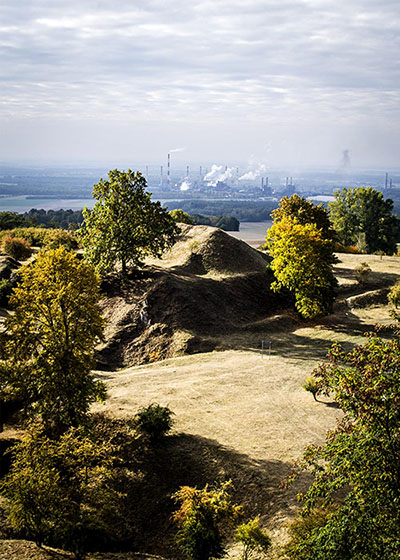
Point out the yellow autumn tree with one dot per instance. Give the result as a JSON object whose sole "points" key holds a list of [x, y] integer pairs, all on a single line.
{"points": [[48, 346], [302, 263]]}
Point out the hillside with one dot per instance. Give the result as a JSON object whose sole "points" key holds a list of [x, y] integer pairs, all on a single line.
{"points": [[208, 284]]}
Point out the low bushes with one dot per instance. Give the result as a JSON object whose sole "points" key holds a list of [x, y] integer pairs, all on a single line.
{"points": [[16, 247], [40, 237]]}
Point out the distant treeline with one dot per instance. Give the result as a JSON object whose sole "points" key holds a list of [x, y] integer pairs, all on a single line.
{"points": [[242, 210], [71, 219]]}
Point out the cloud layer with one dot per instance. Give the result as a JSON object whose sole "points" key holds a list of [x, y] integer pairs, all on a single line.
{"points": [[209, 62]]}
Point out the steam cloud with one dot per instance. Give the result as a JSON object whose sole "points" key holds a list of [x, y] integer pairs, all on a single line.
{"points": [[218, 173], [251, 175]]}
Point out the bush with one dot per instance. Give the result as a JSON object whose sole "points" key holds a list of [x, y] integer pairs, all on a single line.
{"points": [[252, 537], [202, 518], [60, 238], [154, 421], [311, 385], [299, 546], [362, 272], [394, 295], [16, 247], [350, 249], [5, 291], [34, 236]]}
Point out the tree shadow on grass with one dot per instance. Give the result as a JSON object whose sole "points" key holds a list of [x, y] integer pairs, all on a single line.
{"points": [[186, 459]]}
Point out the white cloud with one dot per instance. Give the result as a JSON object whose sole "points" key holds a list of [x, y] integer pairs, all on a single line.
{"points": [[206, 62]]}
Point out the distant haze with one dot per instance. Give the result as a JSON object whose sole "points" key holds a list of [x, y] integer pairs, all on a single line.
{"points": [[262, 82]]}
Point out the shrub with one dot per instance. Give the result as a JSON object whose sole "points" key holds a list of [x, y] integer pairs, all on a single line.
{"points": [[362, 272], [34, 236], [299, 546], [202, 518], [5, 291], [154, 420], [60, 238], [16, 247], [350, 249], [252, 537], [394, 295], [311, 385]]}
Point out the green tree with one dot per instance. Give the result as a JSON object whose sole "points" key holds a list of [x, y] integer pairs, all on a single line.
{"points": [[302, 262], [363, 211], [201, 519], [181, 217], [304, 212], [11, 220], [62, 492], [125, 225], [360, 459], [50, 339]]}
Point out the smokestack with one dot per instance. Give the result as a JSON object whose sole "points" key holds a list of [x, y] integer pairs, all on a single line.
{"points": [[262, 183], [266, 181], [169, 170], [391, 183], [187, 171], [161, 175], [201, 174], [226, 167], [386, 180], [287, 181], [291, 181]]}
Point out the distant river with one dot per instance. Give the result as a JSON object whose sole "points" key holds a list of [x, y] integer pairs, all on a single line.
{"points": [[25, 203], [252, 232]]}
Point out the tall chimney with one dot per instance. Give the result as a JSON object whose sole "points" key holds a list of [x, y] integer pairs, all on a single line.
{"points": [[169, 170], [386, 180], [187, 171], [262, 183], [161, 175]]}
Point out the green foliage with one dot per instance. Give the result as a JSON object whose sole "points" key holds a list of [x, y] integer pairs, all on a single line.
{"points": [[16, 247], [362, 272], [360, 457], [302, 262], [154, 420], [363, 210], [50, 339], [252, 537], [61, 492], [5, 291], [300, 546], [10, 220], [394, 295], [181, 217], [201, 519], [60, 238], [304, 212], [226, 223], [311, 385], [125, 225]]}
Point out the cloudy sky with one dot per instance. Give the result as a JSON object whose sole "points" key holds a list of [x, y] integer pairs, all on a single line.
{"points": [[265, 81]]}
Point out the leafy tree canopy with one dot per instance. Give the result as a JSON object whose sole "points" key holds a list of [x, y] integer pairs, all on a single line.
{"points": [[363, 211], [61, 492], [181, 217], [361, 458], [50, 339], [305, 212], [10, 220], [125, 225], [302, 262]]}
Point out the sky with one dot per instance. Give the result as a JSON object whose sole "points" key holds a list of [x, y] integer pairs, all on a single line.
{"points": [[283, 82]]}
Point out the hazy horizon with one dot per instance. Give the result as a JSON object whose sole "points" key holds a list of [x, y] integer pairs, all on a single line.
{"points": [[289, 84]]}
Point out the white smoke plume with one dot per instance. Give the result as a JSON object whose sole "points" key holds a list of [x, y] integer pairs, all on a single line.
{"points": [[175, 150], [219, 173], [186, 184], [252, 175]]}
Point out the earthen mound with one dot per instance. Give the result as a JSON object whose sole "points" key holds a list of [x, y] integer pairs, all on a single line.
{"points": [[207, 285]]}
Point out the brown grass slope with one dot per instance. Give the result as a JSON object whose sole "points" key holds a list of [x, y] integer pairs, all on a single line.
{"points": [[208, 284]]}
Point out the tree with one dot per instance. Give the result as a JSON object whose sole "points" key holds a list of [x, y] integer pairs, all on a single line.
{"points": [[363, 211], [360, 459], [125, 225], [62, 492], [181, 217], [50, 339], [304, 212], [201, 519], [302, 262], [11, 220]]}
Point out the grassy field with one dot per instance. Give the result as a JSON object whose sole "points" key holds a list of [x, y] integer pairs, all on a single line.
{"points": [[251, 405]]}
